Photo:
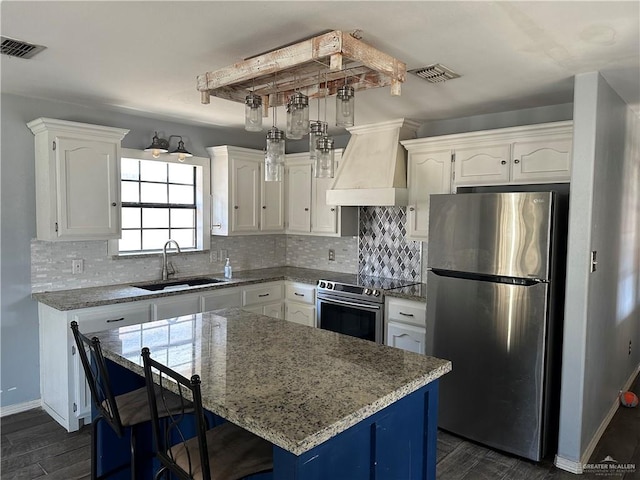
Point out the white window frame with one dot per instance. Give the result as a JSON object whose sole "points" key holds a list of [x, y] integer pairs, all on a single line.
{"points": [[203, 199]]}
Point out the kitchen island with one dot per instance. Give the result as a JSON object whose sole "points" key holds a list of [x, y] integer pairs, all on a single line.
{"points": [[333, 406]]}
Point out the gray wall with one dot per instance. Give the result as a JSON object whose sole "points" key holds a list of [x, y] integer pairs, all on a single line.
{"points": [[19, 319], [602, 312]]}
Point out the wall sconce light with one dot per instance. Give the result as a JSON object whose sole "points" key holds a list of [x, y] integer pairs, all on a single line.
{"points": [[161, 145]]}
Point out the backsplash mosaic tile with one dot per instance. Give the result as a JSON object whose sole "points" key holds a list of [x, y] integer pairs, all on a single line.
{"points": [[313, 252], [383, 249]]}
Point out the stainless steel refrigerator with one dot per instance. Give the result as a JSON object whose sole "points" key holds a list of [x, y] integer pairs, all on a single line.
{"points": [[494, 303]]}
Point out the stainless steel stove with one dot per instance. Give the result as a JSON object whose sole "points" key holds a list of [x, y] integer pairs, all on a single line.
{"points": [[355, 309]]}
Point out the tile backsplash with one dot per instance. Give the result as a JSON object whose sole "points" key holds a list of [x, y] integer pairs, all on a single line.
{"points": [[381, 249], [384, 250]]}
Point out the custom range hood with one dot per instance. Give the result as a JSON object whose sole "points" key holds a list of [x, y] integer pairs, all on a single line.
{"points": [[373, 168]]}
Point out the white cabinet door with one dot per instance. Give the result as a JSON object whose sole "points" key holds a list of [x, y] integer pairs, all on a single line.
{"points": [[543, 159], [245, 195], [175, 306], [223, 298], [486, 164], [301, 313], [428, 172], [299, 198], [275, 310], [272, 205], [324, 218], [406, 337], [88, 189], [77, 169]]}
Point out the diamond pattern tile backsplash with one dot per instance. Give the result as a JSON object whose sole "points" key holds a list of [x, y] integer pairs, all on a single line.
{"points": [[383, 249]]}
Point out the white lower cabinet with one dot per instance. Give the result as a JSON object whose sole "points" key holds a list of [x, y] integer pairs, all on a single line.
{"points": [[300, 303], [175, 305], [406, 337], [405, 322], [63, 388], [264, 299], [223, 298]]}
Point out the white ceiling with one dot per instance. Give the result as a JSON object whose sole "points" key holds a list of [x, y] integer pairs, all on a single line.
{"points": [[143, 57]]}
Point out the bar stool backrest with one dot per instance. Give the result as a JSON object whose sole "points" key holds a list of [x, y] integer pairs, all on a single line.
{"points": [[188, 391], [95, 369]]}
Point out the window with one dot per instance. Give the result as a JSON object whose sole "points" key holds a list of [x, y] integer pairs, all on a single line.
{"points": [[162, 199]]}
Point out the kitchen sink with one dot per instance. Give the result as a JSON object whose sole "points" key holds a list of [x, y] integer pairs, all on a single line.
{"points": [[177, 284]]}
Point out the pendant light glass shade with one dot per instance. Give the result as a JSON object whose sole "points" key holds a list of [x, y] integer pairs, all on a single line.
{"points": [[317, 129], [345, 106], [253, 113], [274, 156], [298, 116], [324, 157]]}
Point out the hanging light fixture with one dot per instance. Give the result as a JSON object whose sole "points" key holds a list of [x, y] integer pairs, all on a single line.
{"points": [[297, 116], [161, 145], [345, 106], [274, 152], [324, 153], [253, 113]]}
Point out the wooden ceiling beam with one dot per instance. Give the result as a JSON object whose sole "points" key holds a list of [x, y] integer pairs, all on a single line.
{"points": [[296, 67]]}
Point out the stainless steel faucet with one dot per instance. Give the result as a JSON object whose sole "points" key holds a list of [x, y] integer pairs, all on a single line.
{"points": [[165, 269]]}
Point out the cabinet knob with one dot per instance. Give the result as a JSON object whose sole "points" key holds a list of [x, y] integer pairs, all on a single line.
{"points": [[264, 207], [411, 209], [306, 209], [235, 206], [503, 162], [516, 161], [333, 209], [114, 204]]}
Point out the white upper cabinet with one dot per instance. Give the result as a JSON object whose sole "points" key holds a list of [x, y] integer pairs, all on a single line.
{"points": [[307, 209], [77, 180], [518, 155], [242, 202], [530, 154], [429, 171], [299, 198]]}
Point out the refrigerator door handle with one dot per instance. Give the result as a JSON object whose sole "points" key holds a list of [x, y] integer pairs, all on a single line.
{"points": [[525, 282]]}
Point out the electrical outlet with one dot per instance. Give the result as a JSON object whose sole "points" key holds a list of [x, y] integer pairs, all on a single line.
{"points": [[77, 266], [213, 256], [223, 255], [332, 255]]}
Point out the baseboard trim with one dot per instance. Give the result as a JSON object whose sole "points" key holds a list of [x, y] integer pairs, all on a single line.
{"points": [[576, 467], [586, 455], [568, 465], [20, 407]]}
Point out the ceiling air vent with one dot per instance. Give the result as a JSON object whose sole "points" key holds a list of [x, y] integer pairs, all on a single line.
{"points": [[436, 73], [17, 48]]}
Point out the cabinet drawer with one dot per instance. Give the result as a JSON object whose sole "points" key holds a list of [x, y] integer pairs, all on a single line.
{"points": [[106, 318], [406, 311], [300, 293], [262, 294]]}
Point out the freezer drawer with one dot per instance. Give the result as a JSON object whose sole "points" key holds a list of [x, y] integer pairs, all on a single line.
{"points": [[495, 336]]}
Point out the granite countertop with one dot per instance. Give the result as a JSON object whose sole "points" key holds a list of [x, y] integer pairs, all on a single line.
{"points": [[292, 385], [110, 294]]}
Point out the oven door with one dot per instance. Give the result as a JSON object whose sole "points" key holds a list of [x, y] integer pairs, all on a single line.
{"points": [[350, 317]]}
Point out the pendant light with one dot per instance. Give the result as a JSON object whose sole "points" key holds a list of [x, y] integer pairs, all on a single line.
{"points": [[274, 152], [180, 151], [253, 113], [324, 153], [298, 116], [345, 105]]}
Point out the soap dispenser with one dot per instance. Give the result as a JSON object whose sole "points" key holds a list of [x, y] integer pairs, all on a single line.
{"points": [[227, 269]]}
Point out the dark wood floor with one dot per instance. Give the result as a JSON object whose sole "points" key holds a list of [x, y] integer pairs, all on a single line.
{"points": [[35, 447]]}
